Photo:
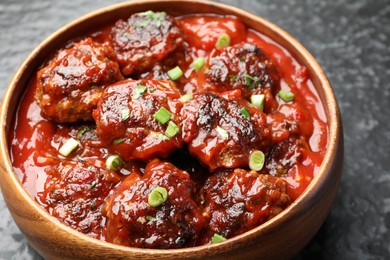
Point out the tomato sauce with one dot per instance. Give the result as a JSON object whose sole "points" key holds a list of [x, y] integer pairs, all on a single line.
{"points": [[36, 140]]}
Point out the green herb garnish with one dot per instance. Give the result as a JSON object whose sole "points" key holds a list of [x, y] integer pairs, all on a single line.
{"points": [[125, 114], [114, 162], [82, 131], [222, 132], [223, 41], [162, 115], [286, 96], [172, 129], [119, 140], [157, 197], [256, 160], [139, 90], [217, 239], [198, 64], [245, 112]]}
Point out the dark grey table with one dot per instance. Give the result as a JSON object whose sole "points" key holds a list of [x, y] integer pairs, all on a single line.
{"points": [[349, 38]]}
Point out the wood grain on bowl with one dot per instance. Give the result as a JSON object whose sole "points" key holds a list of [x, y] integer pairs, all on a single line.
{"points": [[279, 238]]}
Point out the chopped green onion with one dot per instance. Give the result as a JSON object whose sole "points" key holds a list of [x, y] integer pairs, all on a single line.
{"points": [[119, 140], [139, 90], [114, 162], [172, 129], [223, 40], [258, 101], [245, 112], [281, 171], [151, 90], [251, 82], [222, 132], [207, 71], [186, 97], [286, 96], [125, 114], [68, 146], [81, 132], [162, 137], [93, 184], [248, 79], [150, 218], [162, 115], [198, 64], [175, 73], [256, 160], [157, 197], [217, 239]]}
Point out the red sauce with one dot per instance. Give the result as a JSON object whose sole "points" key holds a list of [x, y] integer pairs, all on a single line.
{"points": [[42, 169]]}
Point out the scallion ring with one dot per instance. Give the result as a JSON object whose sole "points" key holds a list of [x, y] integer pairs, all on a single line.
{"points": [[223, 41], [125, 114], [114, 162], [186, 97], [286, 96], [157, 196], [175, 73], [222, 132], [217, 239], [139, 90], [68, 146], [162, 115], [198, 64], [172, 129], [245, 112], [258, 101], [256, 160]]}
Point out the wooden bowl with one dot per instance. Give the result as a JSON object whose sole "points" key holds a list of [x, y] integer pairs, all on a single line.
{"points": [[282, 237]]}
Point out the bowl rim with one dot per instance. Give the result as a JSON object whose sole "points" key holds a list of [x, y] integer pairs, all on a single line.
{"points": [[328, 100]]}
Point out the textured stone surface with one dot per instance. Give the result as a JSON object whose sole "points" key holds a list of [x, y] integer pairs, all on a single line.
{"points": [[349, 38]]}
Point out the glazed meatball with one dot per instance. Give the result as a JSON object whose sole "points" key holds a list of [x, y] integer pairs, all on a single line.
{"points": [[242, 66], [220, 134], [145, 38], [237, 201], [127, 122], [74, 193], [175, 223], [69, 87]]}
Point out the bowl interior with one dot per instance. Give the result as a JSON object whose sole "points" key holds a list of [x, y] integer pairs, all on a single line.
{"points": [[32, 219]]}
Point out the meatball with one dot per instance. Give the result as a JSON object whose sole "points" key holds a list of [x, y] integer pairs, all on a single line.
{"points": [[237, 201], [145, 38], [242, 66], [69, 87], [127, 122], [74, 193], [220, 134], [175, 223]]}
